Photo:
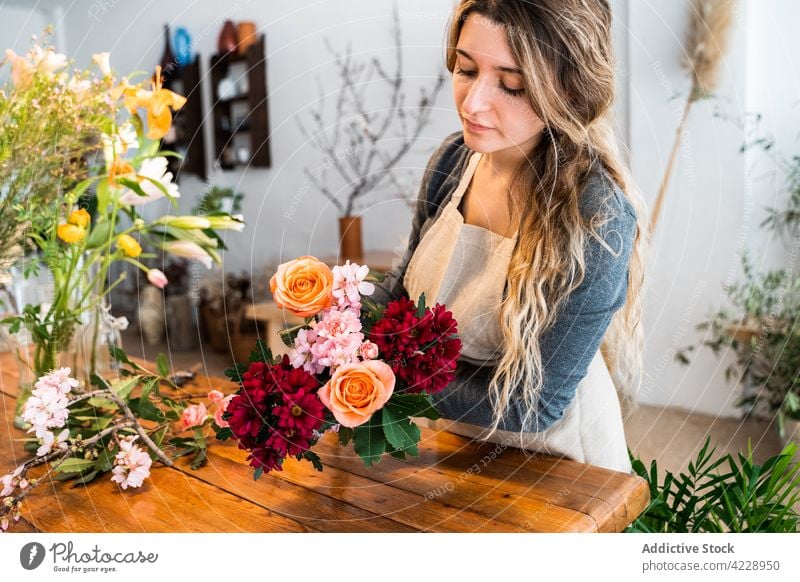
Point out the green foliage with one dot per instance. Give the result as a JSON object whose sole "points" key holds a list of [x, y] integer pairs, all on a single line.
{"points": [[369, 440], [760, 324], [726, 494], [216, 199]]}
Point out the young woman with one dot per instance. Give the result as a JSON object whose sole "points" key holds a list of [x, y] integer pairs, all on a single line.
{"points": [[529, 229]]}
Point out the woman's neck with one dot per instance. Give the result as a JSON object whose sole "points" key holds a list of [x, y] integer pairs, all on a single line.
{"points": [[502, 164]]}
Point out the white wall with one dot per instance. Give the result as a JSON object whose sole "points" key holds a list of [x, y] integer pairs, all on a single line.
{"points": [[717, 195], [17, 24]]}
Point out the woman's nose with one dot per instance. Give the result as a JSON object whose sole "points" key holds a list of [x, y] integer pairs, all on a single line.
{"points": [[479, 97]]}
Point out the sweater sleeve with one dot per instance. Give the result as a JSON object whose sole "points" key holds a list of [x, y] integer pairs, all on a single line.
{"points": [[567, 347]]}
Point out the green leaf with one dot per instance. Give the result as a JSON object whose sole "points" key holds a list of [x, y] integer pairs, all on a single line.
{"points": [[397, 454], [103, 192], [158, 436], [162, 364], [99, 381], [106, 459], [146, 409], [224, 434], [421, 305], [369, 440], [314, 458], [401, 433], [345, 435], [103, 403], [82, 187], [119, 355], [86, 478], [125, 386], [261, 353], [236, 372], [136, 187], [75, 465], [200, 458], [413, 405], [99, 234]]}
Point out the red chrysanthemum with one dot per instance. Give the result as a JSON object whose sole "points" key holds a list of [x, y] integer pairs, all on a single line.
{"points": [[275, 412], [287, 443], [421, 351], [265, 458], [248, 410], [302, 411]]}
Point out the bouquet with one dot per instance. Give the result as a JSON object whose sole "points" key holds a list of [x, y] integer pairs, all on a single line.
{"points": [[355, 367]]}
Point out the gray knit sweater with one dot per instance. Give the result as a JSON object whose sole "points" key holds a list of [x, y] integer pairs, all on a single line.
{"points": [[570, 344]]}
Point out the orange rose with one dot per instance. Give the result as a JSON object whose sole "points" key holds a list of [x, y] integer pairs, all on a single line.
{"points": [[304, 286], [356, 391]]}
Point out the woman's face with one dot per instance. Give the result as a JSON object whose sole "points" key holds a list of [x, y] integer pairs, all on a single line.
{"points": [[489, 92]]}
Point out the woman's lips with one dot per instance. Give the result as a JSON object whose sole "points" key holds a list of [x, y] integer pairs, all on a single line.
{"points": [[475, 127]]}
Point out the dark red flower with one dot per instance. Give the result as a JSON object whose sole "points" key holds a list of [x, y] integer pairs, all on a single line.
{"points": [[421, 351], [248, 412], [265, 458], [287, 443], [302, 411], [275, 413]]}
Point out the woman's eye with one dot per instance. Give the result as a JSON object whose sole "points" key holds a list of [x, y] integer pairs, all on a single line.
{"points": [[512, 92], [465, 73]]}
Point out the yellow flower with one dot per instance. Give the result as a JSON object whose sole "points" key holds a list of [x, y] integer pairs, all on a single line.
{"points": [[79, 218], [70, 233], [129, 246]]}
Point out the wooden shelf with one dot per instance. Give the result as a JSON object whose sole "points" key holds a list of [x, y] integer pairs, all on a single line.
{"points": [[254, 126], [188, 121]]}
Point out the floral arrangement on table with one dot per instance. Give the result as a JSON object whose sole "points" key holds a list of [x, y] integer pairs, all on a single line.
{"points": [[357, 368], [118, 427], [79, 155]]}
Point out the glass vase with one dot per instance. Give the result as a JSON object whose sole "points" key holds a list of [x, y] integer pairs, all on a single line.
{"points": [[84, 346]]}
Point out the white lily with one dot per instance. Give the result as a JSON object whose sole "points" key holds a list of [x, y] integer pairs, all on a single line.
{"points": [[152, 170]]}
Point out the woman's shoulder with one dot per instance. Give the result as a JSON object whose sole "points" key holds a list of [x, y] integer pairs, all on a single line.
{"points": [[445, 167], [603, 195]]}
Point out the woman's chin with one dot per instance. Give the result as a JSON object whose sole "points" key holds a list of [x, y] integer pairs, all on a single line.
{"points": [[477, 143]]}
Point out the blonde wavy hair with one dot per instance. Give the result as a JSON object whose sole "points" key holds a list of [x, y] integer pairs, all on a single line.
{"points": [[564, 49]]}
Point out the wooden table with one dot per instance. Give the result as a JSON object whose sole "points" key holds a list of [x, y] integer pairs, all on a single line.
{"points": [[450, 487]]}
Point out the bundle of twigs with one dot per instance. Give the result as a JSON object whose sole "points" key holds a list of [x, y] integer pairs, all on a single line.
{"points": [[706, 44]]}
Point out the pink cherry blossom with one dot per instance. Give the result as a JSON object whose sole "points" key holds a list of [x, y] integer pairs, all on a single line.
{"points": [[132, 464], [47, 407], [51, 441]]}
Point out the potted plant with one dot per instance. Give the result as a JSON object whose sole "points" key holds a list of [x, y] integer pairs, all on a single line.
{"points": [[760, 325], [727, 494]]}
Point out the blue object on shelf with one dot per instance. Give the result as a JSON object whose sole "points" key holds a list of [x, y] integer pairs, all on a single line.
{"points": [[183, 46]]}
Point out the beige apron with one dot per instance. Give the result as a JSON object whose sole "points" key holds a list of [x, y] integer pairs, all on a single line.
{"points": [[465, 267]]}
